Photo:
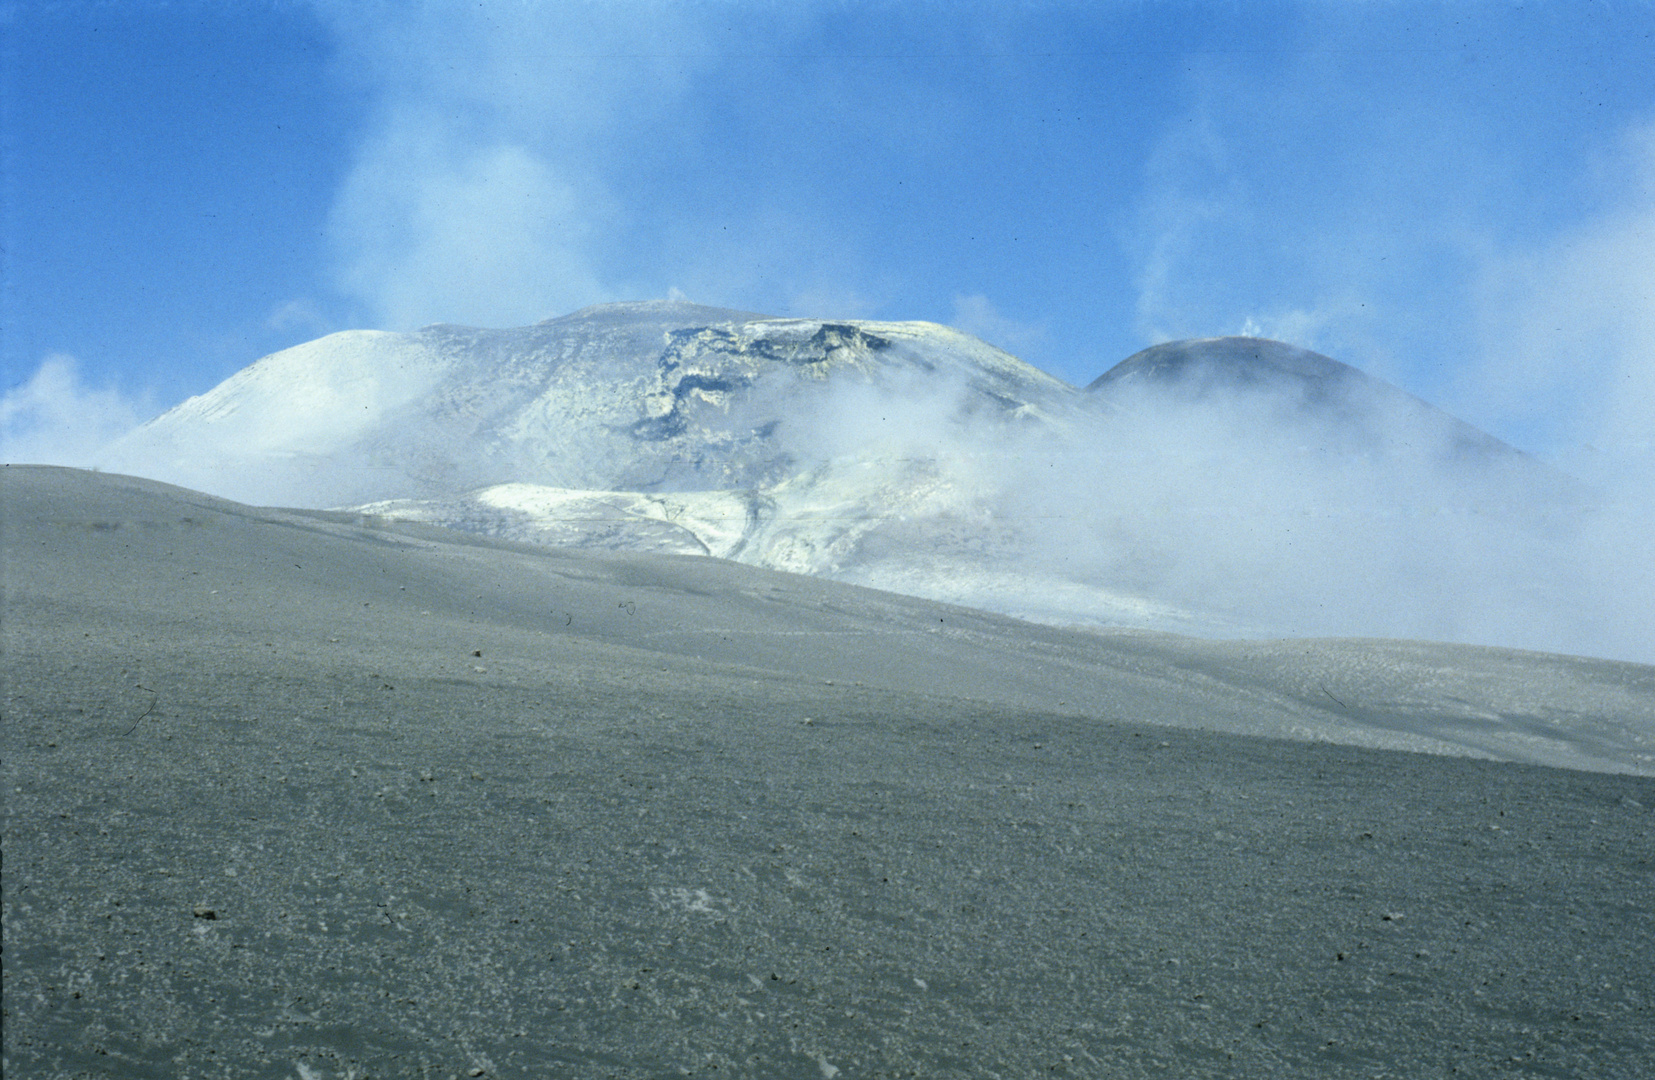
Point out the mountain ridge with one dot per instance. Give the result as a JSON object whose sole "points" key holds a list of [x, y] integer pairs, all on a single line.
{"points": [[666, 373], [912, 457], [1198, 367]]}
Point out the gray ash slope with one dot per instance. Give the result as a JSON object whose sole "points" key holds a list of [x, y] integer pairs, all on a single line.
{"points": [[269, 813]]}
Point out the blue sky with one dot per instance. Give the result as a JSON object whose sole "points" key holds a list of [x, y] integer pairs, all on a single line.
{"points": [[1459, 198]]}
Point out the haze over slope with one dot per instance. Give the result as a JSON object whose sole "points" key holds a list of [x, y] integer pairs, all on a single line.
{"points": [[321, 586], [314, 794], [1292, 496]]}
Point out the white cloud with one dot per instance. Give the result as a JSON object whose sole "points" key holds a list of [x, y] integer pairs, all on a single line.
{"points": [[1340, 220], [1569, 327], [429, 231], [975, 314], [299, 314], [477, 194], [1306, 328], [56, 419], [1189, 187]]}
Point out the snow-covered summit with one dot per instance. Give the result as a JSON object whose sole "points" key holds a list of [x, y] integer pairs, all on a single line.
{"points": [[1224, 486], [646, 396]]}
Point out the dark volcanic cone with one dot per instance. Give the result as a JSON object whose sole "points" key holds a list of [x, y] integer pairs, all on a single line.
{"points": [[1200, 369]]}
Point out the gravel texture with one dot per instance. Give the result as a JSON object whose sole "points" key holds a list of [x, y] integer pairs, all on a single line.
{"points": [[300, 796]]}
